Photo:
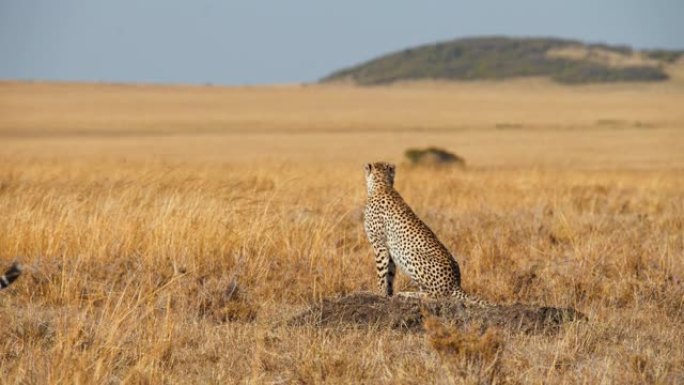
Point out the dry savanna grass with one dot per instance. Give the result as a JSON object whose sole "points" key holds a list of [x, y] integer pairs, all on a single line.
{"points": [[166, 232]]}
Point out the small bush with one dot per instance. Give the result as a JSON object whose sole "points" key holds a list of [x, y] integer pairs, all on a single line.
{"points": [[664, 55], [433, 156]]}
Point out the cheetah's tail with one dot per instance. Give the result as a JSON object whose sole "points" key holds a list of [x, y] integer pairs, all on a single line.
{"points": [[470, 300], [10, 275]]}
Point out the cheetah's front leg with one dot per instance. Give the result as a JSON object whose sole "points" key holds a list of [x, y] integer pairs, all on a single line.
{"points": [[386, 269]]}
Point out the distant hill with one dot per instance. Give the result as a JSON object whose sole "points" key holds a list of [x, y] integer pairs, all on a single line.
{"points": [[493, 58]]}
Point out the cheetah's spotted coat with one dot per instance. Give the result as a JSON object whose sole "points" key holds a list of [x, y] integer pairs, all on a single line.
{"points": [[399, 237]]}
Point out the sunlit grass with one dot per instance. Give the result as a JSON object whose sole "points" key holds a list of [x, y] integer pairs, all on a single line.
{"points": [[179, 267]]}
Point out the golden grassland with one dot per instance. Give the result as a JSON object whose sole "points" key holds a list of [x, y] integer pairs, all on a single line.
{"points": [[168, 231]]}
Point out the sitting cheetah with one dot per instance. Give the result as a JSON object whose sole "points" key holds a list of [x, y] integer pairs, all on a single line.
{"points": [[10, 275], [399, 237]]}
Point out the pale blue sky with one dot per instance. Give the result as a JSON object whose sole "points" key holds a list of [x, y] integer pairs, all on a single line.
{"points": [[252, 42]]}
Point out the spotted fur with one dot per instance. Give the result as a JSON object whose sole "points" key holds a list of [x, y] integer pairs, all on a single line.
{"points": [[10, 275], [399, 237]]}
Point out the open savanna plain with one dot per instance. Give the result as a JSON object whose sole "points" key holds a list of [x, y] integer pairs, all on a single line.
{"points": [[169, 232]]}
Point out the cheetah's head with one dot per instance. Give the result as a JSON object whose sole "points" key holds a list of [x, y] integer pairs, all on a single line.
{"points": [[379, 174]]}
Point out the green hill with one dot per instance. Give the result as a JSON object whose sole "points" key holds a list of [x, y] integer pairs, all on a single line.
{"points": [[494, 58]]}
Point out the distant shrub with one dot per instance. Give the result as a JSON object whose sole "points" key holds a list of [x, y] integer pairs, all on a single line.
{"points": [[664, 55], [599, 74], [433, 156]]}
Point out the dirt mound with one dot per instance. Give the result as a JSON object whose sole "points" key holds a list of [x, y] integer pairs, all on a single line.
{"points": [[367, 309]]}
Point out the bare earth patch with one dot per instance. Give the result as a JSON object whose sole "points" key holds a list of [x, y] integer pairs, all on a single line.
{"points": [[368, 309]]}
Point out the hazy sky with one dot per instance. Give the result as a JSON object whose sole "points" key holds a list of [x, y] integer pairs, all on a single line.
{"points": [[249, 42]]}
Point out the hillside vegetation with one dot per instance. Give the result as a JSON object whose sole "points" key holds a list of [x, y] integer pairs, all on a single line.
{"points": [[493, 58]]}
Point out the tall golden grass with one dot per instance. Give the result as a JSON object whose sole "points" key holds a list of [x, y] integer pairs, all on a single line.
{"points": [[167, 231]]}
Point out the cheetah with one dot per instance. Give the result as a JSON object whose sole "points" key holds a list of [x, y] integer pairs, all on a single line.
{"points": [[399, 237], [10, 275]]}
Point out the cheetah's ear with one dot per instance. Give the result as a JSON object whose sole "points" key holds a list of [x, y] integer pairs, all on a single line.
{"points": [[390, 168], [368, 167]]}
